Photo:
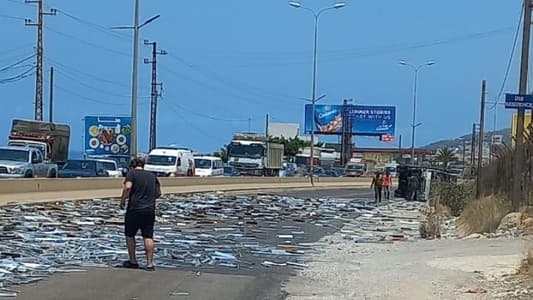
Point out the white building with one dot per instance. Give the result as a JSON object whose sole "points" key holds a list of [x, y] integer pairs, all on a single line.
{"points": [[286, 130]]}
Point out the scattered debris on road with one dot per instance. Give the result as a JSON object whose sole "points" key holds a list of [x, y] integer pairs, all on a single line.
{"points": [[196, 232]]}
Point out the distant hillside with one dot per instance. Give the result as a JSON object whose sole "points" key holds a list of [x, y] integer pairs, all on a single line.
{"points": [[455, 143]]}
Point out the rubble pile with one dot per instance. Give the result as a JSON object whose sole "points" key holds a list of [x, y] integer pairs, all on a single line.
{"points": [[197, 232]]}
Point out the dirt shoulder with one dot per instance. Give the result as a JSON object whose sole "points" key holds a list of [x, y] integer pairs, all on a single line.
{"points": [[440, 269]]}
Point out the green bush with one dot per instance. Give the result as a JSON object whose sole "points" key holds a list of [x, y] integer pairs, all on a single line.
{"points": [[454, 195]]}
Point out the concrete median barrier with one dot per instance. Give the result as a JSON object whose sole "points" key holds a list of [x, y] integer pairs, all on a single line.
{"points": [[46, 190]]}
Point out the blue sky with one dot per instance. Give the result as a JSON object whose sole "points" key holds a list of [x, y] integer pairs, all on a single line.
{"points": [[234, 60]]}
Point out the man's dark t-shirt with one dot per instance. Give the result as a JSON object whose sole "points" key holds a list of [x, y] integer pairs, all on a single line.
{"points": [[143, 191]]}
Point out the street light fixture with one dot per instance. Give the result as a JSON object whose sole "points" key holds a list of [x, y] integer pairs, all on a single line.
{"points": [[135, 73], [414, 125], [316, 15]]}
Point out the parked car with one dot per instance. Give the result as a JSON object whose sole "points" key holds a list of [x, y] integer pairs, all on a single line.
{"points": [[111, 167], [333, 173], [208, 166], [170, 161], [289, 169], [355, 170], [83, 168], [230, 171], [24, 162]]}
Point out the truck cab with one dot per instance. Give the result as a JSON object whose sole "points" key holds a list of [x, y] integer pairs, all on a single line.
{"points": [[251, 154]]}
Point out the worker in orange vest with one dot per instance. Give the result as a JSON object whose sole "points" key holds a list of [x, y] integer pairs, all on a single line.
{"points": [[387, 185]]}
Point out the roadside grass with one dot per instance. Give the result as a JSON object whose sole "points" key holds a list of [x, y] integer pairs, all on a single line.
{"points": [[482, 215]]}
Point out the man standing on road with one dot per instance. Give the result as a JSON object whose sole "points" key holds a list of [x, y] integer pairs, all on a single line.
{"points": [[377, 184], [142, 188]]}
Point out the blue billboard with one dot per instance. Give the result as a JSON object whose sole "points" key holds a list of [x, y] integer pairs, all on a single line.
{"points": [[518, 101], [363, 120], [107, 135]]}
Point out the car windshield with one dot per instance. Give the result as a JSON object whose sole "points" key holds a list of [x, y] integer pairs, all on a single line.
{"points": [[390, 169], [39, 147], [161, 160], [14, 155], [203, 163], [80, 165], [354, 167], [251, 151], [109, 166]]}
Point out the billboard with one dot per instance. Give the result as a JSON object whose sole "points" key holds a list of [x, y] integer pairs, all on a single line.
{"points": [[518, 101], [107, 135], [362, 119]]}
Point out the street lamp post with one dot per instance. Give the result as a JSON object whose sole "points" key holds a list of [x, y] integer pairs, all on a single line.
{"points": [[135, 73], [414, 125], [316, 15]]}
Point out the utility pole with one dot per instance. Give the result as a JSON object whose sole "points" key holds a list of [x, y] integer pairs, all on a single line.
{"points": [[516, 192], [473, 148], [40, 52], [400, 142], [346, 138], [155, 93], [481, 137], [51, 108], [464, 153]]}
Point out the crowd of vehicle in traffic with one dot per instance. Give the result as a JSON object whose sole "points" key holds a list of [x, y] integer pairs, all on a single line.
{"points": [[40, 149]]}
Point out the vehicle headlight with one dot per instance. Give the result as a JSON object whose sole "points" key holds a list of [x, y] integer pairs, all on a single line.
{"points": [[16, 170]]}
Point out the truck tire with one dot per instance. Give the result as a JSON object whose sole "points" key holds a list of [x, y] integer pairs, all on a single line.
{"points": [[29, 174]]}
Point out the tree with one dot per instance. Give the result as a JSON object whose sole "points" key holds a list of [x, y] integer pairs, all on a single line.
{"points": [[292, 146], [445, 156], [222, 153]]}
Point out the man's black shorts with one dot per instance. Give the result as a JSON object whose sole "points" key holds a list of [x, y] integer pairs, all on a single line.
{"points": [[143, 220]]}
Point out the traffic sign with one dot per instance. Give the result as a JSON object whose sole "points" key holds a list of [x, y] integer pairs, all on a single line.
{"points": [[518, 101]]}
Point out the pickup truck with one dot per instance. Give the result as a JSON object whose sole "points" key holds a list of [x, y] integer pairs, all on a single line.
{"points": [[25, 162]]}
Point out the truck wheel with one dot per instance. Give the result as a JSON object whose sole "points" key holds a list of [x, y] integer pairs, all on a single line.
{"points": [[53, 174], [28, 174]]}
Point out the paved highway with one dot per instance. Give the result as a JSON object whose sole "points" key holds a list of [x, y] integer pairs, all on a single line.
{"points": [[111, 284]]}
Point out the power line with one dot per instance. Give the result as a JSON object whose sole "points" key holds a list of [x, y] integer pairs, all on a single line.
{"points": [[87, 42], [88, 98], [27, 73], [73, 70], [343, 55], [17, 63], [233, 92], [190, 123], [224, 80], [210, 117], [91, 87], [12, 17], [93, 25], [20, 2], [510, 62]]}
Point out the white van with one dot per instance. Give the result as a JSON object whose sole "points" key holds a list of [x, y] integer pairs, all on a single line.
{"points": [[207, 166], [169, 161]]}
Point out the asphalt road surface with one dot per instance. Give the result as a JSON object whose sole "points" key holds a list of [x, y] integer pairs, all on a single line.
{"points": [[110, 283]]}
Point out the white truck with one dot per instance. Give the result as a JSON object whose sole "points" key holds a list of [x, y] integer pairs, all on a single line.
{"points": [[252, 155], [24, 162]]}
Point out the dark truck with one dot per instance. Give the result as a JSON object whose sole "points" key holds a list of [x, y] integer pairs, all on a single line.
{"points": [[51, 139]]}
